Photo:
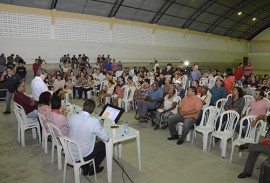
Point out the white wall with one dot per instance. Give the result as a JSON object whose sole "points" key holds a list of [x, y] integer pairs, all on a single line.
{"points": [[259, 51], [264, 35], [24, 35]]}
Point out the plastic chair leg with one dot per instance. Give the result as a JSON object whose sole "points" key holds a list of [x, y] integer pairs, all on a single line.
{"points": [[53, 151], [64, 172], [223, 149], [77, 174], [205, 139], [34, 134], [23, 137], [45, 145], [59, 158], [19, 133], [232, 153]]}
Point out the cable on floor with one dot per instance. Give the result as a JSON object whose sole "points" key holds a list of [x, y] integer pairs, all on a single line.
{"points": [[123, 171]]}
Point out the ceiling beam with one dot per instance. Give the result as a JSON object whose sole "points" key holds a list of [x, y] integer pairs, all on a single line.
{"points": [[256, 32], [53, 4], [84, 6], [115, 8], [227, 14], [197, 13], [162, 11], [247, 18], [255, 29]]}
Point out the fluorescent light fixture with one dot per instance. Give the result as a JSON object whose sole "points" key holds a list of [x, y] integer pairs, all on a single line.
{"points": [[186, 63], [239, 13]]}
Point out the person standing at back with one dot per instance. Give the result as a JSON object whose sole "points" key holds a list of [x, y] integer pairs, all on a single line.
{"points": [[38, 86], [195, 73], [12, 80]]}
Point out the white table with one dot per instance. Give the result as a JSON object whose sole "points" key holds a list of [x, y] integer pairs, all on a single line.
{"points": [[117, 135]]}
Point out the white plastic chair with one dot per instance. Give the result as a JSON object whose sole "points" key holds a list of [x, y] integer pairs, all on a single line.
{"points": [[227, 133], [203, 81], [129, 97], [212, 82], [207, 124], [208, 101], [56, 134], [252, 134], [220, 104], [102, 86], [248, 99], [184, 81], [229, 95], [45, 132], [69, 146], [25, 123]]}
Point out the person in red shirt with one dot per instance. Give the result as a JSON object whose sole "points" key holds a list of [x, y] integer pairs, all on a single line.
{"points": [[238, 73], [36, 66], [229, 81], [26, 102]]}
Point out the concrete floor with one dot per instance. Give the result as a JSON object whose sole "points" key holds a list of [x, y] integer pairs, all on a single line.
{"points": [[162, 160]]}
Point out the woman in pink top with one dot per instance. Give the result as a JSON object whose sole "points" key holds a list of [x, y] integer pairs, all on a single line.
{"points": [[56, 117], [248, 70]]}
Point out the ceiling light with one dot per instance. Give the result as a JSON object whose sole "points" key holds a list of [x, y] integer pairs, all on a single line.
{"points": [[239, 13], [253, 19]]}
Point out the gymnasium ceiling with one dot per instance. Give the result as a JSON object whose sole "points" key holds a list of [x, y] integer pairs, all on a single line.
{"points": [[218, 17]]}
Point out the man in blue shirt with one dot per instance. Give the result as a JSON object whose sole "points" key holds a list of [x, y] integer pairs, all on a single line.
{"points": [[195, 74], [12, 80], [151, 101]]}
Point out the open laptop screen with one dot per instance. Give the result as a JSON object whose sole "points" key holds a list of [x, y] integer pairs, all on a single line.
{"points": [[111, 112]]}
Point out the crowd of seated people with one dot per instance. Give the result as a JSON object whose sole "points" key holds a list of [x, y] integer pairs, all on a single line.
{"points": [[155, 89]]}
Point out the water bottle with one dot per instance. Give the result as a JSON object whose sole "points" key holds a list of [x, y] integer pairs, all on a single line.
{"points": [[126, 128], [74, 110]]}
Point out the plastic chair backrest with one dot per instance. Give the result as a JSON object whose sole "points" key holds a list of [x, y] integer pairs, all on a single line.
{"points": [[220, 104], [102, 85], [247, 126], [248, 99], [212, 82], [209, 116], [260, 126], [179, 100], [232, 118], [131, 94], [184, 81], [71, 147], [203, 81], [229, 95], [55, 132], [126, 89], [21, 114], [208, 101], [43, 122]]}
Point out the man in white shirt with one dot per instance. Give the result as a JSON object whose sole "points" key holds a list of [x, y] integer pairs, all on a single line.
{"points": [[84, 128], [38, 86], [98, 78]]}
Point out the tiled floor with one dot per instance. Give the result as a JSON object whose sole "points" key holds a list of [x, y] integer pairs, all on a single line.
{"points": [[162, 160]]}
